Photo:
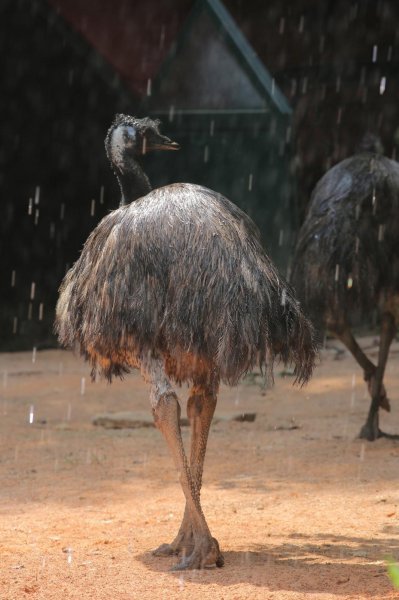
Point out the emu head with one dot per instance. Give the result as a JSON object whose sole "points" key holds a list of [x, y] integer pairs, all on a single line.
{"points": [[129, 138]]}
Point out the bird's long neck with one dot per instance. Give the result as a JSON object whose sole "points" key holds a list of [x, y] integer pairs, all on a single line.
{"points": [[133, 182]]}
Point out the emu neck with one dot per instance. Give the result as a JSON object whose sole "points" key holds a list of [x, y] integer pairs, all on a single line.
{"points": [[133, 182]]}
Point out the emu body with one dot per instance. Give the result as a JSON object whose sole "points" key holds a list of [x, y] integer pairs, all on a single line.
{"points": [[176, 283], [347, 260]]}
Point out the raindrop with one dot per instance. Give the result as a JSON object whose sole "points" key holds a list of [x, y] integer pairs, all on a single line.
{"points": [[62, 211], [357, 212], [281, 237], [37, 194], [34, 354], [32, 290], [52, 230], [304, 85], [357, 242], [41, 308], [338, 84], [294, 86], [281, 26], [162, 37], [273, 86], [375, 54], [374, 202], [212, 128], [13, 275], [381, 230], [383, 85], [171, 113], [206, 154], [288, 135], [301, 24], [250, 181], [353, 381], [144, 145], [283, 297], [30, 308], [69, 411], [30, 206], [336, 272], [93, 202], [362, 452], [15, 324], [102, 194], [31, 414], [149, 87], [82, 386], [389, 54], [69, 553], [339, 115], [181, 581], [36, 216], [349, 283]]}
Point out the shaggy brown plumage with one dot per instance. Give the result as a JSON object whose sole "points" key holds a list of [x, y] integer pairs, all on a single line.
{"points": [[347, 255], [181, 272], [178, 284]]}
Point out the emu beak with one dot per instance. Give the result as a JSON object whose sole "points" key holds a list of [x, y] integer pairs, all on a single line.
{"points": [[164, 143]]}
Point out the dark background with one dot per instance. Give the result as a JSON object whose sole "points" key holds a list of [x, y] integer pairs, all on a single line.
{"points": [[68, 66]]}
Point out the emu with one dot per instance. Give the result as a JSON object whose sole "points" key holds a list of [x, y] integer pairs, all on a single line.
{"points": [[175, 282], [347, 259]]}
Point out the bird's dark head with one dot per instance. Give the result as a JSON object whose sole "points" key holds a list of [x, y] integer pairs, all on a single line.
{"points": [[129, 137]]}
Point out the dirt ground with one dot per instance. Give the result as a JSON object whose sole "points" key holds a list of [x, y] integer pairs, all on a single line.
{"points": [[301, 508]]}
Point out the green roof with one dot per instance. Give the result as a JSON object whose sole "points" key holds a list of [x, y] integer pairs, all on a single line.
{"points": [[212, 67]]}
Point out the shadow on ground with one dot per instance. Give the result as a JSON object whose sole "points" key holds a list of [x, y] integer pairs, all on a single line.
{"points": [[322, 563]]}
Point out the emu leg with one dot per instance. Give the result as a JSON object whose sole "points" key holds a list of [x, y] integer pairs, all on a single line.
{"points": [[369, 368], [370, 430], [166, 411], [200, 409]]}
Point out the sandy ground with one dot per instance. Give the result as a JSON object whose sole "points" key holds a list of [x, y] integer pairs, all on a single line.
{"points": [[306, 512]]}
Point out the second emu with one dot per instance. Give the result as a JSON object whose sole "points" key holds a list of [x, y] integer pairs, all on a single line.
{"points": [[176, 283], [347, 259]]}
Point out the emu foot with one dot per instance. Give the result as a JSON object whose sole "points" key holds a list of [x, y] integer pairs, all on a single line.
{"points": [[370, 431], [371, 434], [206, 554], [182, 544]]}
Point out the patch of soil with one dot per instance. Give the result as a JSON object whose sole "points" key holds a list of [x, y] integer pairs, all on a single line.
{"points": [[301, 508]]}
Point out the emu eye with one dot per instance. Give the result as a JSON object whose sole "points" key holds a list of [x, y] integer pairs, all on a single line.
{"points": [[130, 135]]}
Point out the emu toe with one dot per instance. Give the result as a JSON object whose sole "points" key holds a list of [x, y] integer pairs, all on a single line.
{"points": [[206, 554], [182, 544]]}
